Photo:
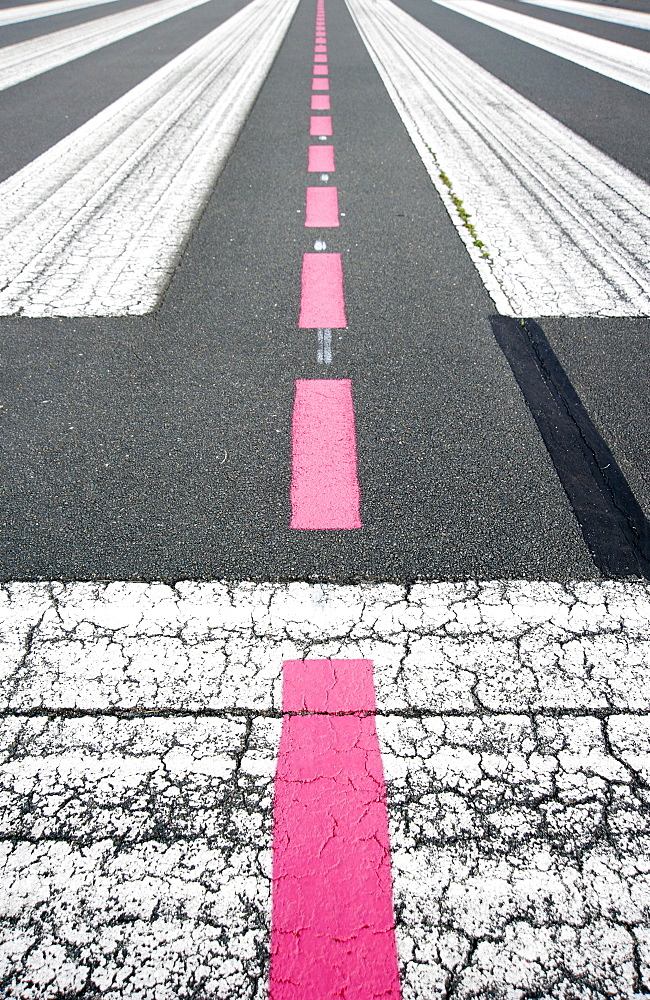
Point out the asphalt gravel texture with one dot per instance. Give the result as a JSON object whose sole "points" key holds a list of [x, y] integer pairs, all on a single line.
{"points": [[159, 447]]}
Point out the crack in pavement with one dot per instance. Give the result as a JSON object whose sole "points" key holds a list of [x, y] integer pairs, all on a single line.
{"points": [[139, 730]]}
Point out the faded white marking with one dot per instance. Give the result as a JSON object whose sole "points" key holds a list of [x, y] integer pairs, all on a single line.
{"points": [[598, 11], [25, 60], [320, 245], [619, 62], [95, 225], [566, 229], [324, 353], [32, 11]]}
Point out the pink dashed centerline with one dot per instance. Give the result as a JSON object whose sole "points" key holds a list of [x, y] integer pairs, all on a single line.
{"points": [[322, 207], [320, 125]]}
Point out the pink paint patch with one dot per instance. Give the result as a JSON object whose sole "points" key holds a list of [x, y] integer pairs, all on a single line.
{"points": [[322, 207], [333, 928], [324, 483], [321, 300], [320, 84], [328, 686], [318, 58], [321, 160], [320, 70], [320, 48], [320, 102], [320, 125]]}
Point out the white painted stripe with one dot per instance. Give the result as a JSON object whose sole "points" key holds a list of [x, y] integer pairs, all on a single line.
{"points": [[94, 226], [597, 11], [514, 723], [566, 228], [619, 62], [33, 11], [506, 646], [25, 60]]}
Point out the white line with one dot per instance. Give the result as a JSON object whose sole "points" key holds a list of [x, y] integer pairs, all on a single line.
{"points": [[597, 11], [566, 228], [94, 226], [33, 11], [618, 62], [25, 60], [324, 354], [497, 646]]}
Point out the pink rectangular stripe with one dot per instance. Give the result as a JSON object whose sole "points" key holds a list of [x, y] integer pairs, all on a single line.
{"points": [[333, 928], [322, 207], [320, 83], [319, 57], [320, 125], [320, 48], [324, 481], [321, 159], [320, 102], [321, 297], [320, 70]]}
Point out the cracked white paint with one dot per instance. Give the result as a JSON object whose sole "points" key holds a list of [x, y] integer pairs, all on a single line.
{"points": [[567, 229], [94, 226], [618, 62], [521, 855], [139, 858], [135, 855], [514, 720], [24, 60], [598, 11], [488, 646]]}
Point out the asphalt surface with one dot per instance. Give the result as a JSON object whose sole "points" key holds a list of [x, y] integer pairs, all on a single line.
{"points": [[159, 447]]}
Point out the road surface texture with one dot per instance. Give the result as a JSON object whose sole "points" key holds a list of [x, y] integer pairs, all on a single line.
{"points": [[325, 561]]}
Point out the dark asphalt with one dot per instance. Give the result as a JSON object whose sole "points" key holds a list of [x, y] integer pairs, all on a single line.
{"points": [[159, 447]]}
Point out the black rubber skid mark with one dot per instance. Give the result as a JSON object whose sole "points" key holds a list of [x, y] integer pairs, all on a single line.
{"points": [[615, 529]]}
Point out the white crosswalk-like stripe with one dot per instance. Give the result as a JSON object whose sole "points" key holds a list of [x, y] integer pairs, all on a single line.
{"points": [[94, 225], [597, 11], [514, 722], [560, 229], [619, 62], [32, 11], [24, 60]]}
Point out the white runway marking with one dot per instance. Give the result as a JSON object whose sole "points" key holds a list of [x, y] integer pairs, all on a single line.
{"points": [[562, 229], [597, 11], [619, 62], [25, 60], [32, 11], [440, 647], [94, 226], [514, 724]]}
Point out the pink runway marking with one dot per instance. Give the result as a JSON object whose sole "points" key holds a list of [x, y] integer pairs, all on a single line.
{"points": [[321, 298], [333, 928], [320, 70], [320, 102], [319, 58], [320, 125], [320, 48], [321, 160], [318, 83], [324, 482], [322, 207]]}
